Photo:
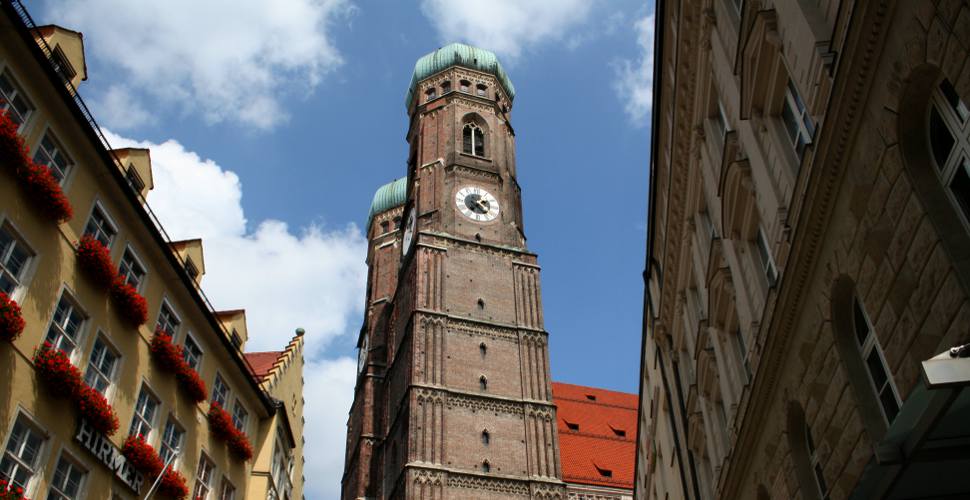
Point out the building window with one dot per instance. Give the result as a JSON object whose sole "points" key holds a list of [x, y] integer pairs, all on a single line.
{"points": [[239, 416], [473, 140], [483, 383], [171, 441], [14, 257], [228, 491], [61, 65], [445, 87], [486, 467], [101, 367], [816, 466], [486, 437], [168, 321], [235, 339], [65, 329], [875, 363], [192, 270], [798, 123], [591, 397], [430, 94], [464, 85], [220, 391], [51, 154], [100, 227], [131, 269], [483, 349], [743, 353], [68, 480], [22, 454], [13, 101], [607, 473], [203, 478], [192, 353], [767, 262], [481, 89], [145, 410], [620, 433], [949, 134], [134, 180]]}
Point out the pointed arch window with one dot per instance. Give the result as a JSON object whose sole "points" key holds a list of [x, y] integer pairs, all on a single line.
{"points": [[483, 383], [486, 467], [486, 437], [473, 140]]}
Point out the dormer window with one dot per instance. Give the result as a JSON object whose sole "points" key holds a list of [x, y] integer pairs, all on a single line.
{"points": [[481, 90], [192, 269], [572, 426], [618, 432], [134, 180], [473, 140], [591, 397], [63, 68], [604, 472], [235, 339]]}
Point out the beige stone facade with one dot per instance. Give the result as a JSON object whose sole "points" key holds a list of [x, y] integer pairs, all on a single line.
{"points": [[808, 246], [46, 446]]}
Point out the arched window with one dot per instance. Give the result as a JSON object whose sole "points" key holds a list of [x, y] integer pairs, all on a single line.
{"points": [[481, 89], [949, 140], [445, 87], [483, 348], [464, 85], [486, 467], [483, 383], [875, 362], [486, 438], [473, 140], [808, 467], [430, 94]]}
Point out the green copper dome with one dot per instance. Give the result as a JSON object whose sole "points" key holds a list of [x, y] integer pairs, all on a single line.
{"points": [[390, 195], [459, 54]]}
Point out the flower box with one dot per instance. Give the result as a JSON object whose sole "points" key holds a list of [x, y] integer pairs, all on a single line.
{"points": [[11, 319], [191, 384], [165, 353], [55, 369], [10, 492], [42, 188], [142, 456], [95, 261], [130, 304], [239, 445], [221, 426], [96, 410], [173, 485]]}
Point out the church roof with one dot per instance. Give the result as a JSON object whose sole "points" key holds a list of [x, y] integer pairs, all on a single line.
{"points": [[459, 54], [390, 195], [597, 435]]}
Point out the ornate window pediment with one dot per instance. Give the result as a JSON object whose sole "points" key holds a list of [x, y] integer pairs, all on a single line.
{"points": [[760, 62]]}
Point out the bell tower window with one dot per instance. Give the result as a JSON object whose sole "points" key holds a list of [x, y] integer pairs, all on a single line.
{"points": [[473, 140]]}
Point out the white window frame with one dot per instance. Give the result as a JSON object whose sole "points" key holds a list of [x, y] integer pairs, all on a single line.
{"points": [[115, 369], [959, 157], [200, 482], [238, 404], [814, 465], [768, 267], [136, 413], [129, 250], [744, 354], [227, 484], [473, 127], [68, 295], [39, 149], [867, 347], [41, 457], [175, 314], [19, 90], [795, 105], [27, 271], [185, 352], [165, 447], [215, 383], [97, 206], [75, 463]]}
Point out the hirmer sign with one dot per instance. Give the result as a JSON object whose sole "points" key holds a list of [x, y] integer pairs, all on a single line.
{"points": [[109, 455]]}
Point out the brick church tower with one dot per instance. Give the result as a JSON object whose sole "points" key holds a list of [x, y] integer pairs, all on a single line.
{"points": [[453, 397]]}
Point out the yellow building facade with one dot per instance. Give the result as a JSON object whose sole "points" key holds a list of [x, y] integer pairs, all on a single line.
{"points": [[48, 448]]}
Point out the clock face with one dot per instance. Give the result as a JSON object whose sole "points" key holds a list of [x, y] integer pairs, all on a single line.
{"points": [[476, 204], [408, 238]]}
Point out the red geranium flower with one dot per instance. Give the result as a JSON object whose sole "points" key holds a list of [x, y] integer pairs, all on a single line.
{"points": [[10, 492], [95, 408], [130, 304], [173, 485], [55, 369], [190, 382], [239, 444], [42, 188], [142, 456], [165, 353], [220, 423], [11, 320], [95, 260]]}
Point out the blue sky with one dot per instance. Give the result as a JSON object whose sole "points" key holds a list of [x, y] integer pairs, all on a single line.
{"points": [[272, 123]]}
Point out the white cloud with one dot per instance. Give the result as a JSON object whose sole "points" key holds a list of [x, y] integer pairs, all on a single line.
{"points": [[634, 83], [121, 109], [506, 26], [314, 278], [229, 60]]}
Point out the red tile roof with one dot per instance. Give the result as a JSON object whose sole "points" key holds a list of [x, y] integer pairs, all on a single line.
{"points": [[262, 362], [602, 451]]}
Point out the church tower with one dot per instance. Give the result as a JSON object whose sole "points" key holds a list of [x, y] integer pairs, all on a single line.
{"points": [[453, 396]]}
